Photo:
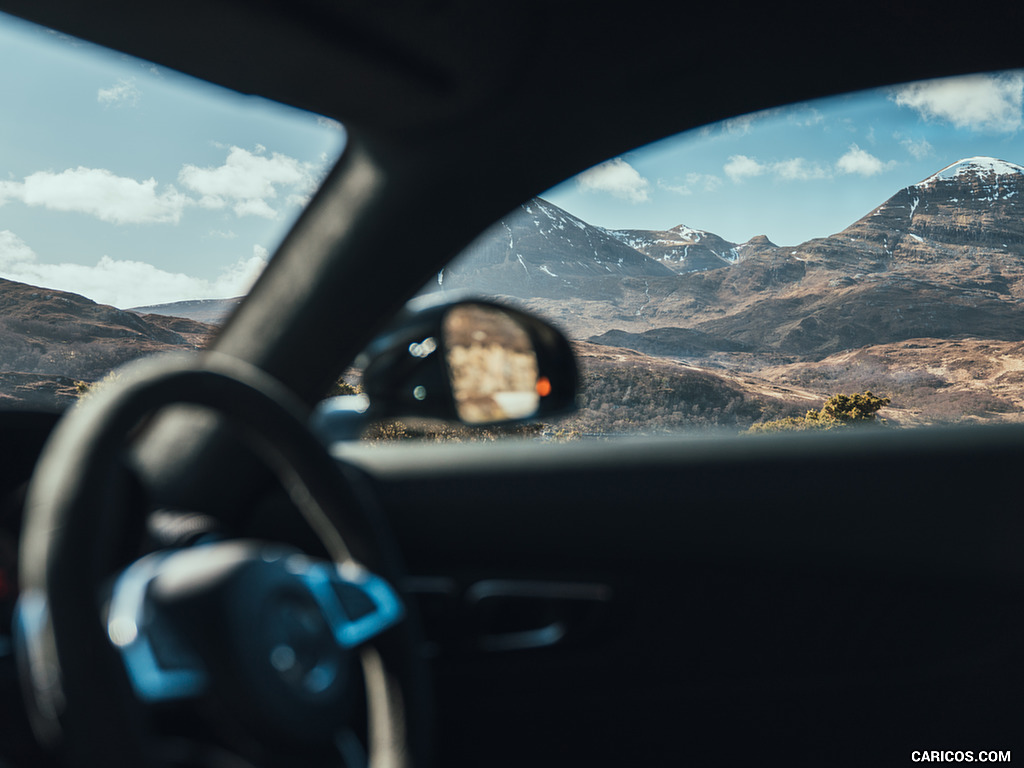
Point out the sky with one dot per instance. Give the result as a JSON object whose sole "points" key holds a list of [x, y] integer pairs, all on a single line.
{"points": [[132, 184], [804, 171]]}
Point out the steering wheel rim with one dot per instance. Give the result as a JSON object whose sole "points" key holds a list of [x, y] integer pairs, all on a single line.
{"points": [[76, 687]]}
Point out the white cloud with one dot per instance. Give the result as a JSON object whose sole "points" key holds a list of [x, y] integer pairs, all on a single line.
{"points": [[738, 126], [9, 190], [703, 182], [740, 167], [247, 181], [735, 127], [799, 169], [805, 117], [100, 193], [254, 207], [919, 148], [125, 283], [13, 250], [124, 92], [860, 162], [976, 102], [616, 177], [326, 122], [801, 116]]}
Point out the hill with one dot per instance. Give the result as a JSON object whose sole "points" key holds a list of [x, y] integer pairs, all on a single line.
{"points": [[211, 311], [50, 340]]}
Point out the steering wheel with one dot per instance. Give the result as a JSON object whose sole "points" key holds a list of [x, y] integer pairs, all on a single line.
{"points": [[261, 635]]}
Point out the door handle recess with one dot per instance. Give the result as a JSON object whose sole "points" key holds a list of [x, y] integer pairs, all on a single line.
{"points": [[512, 615]]}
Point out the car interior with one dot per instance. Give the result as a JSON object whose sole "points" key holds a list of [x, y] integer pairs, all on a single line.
{"points": [[796, 600]]}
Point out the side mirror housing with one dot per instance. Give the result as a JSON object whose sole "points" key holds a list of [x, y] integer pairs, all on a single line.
{"points": [[475, 362]]}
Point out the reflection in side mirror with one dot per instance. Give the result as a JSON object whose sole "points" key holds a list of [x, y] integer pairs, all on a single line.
{"points": [[475, 362], [492, 364]]}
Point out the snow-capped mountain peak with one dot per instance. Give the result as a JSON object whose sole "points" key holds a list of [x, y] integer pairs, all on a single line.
{"points": [[984, 167], [554, 217]]}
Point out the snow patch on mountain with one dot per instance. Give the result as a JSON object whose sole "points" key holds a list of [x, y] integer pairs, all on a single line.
{"points": [[979, 166]]}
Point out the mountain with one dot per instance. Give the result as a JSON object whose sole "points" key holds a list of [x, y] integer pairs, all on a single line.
{"points": [[50, 340], [541, 250], [684, 249], [975, 203], [972, 208], [940, 258]]}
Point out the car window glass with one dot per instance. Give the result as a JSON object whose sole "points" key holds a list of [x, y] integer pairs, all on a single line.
{"points": [[136, 206], [853, 261]]}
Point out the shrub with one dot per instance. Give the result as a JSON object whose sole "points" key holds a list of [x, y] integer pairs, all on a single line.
{"points": [[838, 411]]}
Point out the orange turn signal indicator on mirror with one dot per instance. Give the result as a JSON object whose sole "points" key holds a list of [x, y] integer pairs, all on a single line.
{"points": [[543, 386]]}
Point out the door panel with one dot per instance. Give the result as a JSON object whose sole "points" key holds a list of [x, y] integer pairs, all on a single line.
{"points": [[823, 597]]}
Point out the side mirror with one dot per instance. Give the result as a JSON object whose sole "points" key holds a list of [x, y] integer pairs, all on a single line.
{"points": [[475, 362]]}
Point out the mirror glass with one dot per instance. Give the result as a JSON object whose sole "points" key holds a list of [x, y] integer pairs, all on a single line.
{"points": [[492, 363]]}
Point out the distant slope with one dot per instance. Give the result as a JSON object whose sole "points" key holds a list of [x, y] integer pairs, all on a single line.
{"points": [[684, 249], [213, 311]]}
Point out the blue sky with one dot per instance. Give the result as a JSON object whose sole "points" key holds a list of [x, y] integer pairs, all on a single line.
{"points": [[804, 171], [133, 185]]}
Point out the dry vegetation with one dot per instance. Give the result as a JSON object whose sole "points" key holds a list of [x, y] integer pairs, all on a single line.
{"points": [[930, 381], [627, 392]]}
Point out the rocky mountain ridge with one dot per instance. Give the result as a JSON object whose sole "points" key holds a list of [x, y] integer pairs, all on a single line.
{"points": [[684, 249], [939, 258], [541, 250]]}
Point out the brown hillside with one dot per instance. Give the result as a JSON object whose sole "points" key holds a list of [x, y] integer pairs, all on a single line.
{"points": [[624, 391], [50, 339]]}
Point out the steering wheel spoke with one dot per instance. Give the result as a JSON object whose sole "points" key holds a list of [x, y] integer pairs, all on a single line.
{"points": [[161, 665], [357, 604]]}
